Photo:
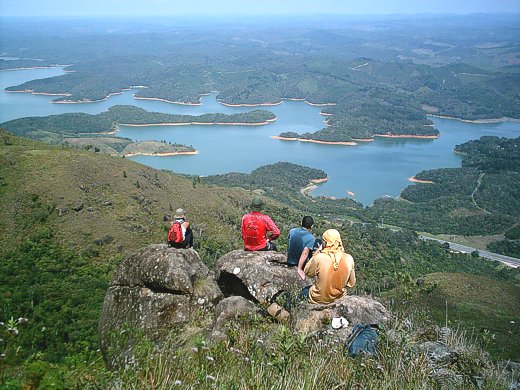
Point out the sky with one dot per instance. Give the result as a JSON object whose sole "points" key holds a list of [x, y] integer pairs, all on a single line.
{"points": [[251, 7]]}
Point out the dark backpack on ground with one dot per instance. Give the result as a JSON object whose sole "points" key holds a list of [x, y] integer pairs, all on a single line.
{"points": [[175, 233], [362, 340]]}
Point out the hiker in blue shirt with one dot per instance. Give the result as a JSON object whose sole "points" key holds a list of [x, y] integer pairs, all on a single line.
{"points": [[301, 242]]}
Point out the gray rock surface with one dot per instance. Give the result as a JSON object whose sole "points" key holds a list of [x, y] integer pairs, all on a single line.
{"points": [[154, 289], [438, 352], [230, 309], [256, 276], [309, 317]]}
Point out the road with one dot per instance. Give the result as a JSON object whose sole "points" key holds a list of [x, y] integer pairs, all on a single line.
{"points": [[507, 260]]}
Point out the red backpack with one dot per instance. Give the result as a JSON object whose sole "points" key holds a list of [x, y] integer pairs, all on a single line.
{"points": [[175, 233]]}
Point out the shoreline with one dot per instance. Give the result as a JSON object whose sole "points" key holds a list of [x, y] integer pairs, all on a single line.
{"points": [[199, 123], [31, 91], [313, 184], [36, 67], [478, 121], [199, 103], [346, 143], [250, 104], [413, 179], [406, 136], [157, 154], [276, 103]]}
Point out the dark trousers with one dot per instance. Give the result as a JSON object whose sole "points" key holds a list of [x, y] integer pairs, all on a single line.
{"points": [[187, 243], [270, 246]]}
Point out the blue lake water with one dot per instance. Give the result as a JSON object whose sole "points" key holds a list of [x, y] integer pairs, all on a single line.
{"points": [[370, 170]]}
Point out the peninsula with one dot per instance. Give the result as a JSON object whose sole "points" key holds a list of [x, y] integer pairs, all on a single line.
{"points": [[54, 128]]}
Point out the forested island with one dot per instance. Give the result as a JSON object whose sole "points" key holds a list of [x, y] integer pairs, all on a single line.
{"points": [[380, 81], [54, 128]]}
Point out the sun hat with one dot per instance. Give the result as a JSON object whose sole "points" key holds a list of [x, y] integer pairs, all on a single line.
{"points": [[257, 203], [179, 213]]}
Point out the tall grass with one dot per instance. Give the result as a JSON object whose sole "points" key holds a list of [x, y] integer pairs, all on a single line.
{"points": [[260, 354]]}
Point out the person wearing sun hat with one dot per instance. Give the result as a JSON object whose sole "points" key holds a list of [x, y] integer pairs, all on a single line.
{"points": [[259, 230], [333, 269], [187, 233]]}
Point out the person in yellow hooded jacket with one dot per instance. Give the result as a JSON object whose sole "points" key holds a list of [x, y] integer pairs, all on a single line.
{"points": [[332, 268]]}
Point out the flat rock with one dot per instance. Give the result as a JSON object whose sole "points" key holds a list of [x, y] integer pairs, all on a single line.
{"points": [[309, 317]]}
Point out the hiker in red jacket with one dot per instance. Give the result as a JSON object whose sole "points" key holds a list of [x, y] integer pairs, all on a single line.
{"points": [[256, 226]]}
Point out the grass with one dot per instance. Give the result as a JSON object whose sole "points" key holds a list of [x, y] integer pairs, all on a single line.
{"points": [[107, 203], [260, 354], [487, 308]]}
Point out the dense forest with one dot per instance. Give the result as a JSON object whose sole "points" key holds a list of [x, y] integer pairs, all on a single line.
{"points": [[54, 128], [479, 198], [285, 182], [382, 76]]}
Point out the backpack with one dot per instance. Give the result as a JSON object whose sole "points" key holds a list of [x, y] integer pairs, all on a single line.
{"points": [[175, 233], [362, 340], [250, 231]]}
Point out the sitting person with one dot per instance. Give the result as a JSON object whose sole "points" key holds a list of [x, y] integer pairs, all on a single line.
{"points": [[333, 269], [256, 227], [180, 234], [301, 243]]}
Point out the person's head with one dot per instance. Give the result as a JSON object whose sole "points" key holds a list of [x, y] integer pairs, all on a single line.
{"points": [[179, 213], [307, 222], [257, 203], [332, 240], [332, 246]]}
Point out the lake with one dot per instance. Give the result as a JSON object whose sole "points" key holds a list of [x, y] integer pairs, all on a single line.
{"points": [[370, 170]]}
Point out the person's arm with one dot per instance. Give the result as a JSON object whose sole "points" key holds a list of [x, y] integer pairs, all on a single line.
{"points": [[301, 262], [310, 267], [352, 278], [271, 228]]}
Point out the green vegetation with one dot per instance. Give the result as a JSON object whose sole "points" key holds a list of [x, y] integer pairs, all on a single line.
{"points": [[479, 198], [67, 216], [382, 78], [361, 117], [124, 146], [286, 182], [506, 247], [54, 128], [76, 214], [488, 307]]}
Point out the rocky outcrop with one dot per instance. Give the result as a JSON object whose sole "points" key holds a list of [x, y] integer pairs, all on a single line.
{"points": [[154, 289], [229, 309], [158, 288], [256, 276], [309, 317]]}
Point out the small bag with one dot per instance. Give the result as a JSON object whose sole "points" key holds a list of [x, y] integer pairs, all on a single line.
{"points": [[362, 340], [278, 312]]}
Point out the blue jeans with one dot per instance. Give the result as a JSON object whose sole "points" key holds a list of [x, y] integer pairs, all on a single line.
{"points": [[305, 292]]}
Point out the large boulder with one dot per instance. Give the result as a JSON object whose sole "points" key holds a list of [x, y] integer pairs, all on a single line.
{"points": [[310, 317], [256, 276], [153, 290], [229, 309]]}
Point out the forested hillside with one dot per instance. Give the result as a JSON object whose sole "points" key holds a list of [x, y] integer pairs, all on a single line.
{"points": [[479, 198], [54, 128]]}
